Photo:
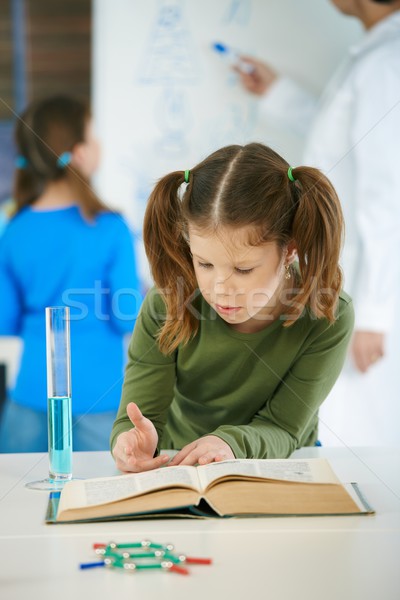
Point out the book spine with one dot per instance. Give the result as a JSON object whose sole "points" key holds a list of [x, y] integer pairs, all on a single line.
{"points": [[368, 508]]}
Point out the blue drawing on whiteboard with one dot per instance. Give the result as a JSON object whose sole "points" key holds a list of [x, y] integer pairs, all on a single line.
{"points": [[169, 56], [172, 115], [238, 12], [169, 61]]}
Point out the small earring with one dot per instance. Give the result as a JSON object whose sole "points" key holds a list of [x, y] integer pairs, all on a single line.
{"points": [[287, 274]]}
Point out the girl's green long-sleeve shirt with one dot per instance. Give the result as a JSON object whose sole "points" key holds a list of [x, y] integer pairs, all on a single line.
{"points": [[259, 392]]}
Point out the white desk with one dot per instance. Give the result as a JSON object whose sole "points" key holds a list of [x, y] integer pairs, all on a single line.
{"points": [[329, 558]]}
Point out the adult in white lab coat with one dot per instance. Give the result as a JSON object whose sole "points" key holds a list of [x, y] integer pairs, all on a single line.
{"points": [[353, 135]]}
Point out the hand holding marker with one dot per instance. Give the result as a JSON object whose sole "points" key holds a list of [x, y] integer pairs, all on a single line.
{"points": [[233, 58], [255, 76]]}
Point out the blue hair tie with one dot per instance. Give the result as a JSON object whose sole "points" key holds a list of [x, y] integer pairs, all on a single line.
{"points": [[21, 162], [64, 159]]}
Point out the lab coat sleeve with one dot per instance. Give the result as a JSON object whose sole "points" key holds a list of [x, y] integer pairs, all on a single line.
{"points": [[376, 147], [289, 105]]}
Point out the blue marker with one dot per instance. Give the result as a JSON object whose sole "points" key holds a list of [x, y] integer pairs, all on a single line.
{"points": [[233, 58]]}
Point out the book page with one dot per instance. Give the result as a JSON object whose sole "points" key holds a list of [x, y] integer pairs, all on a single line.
{"points": [[313, 470], [102, 490]]}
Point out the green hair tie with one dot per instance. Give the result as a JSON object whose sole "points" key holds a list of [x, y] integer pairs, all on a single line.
{"points": [[187, 174], [290, 174]]}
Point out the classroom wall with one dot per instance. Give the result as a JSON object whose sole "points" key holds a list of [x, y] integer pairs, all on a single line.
{"points": [[163, 99]]}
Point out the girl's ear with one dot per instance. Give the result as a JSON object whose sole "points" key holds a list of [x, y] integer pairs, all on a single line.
{"points": [[85, 158], [78, 156], [291, 253]]}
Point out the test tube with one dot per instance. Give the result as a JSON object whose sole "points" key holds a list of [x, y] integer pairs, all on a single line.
{"points": [[58, 359]]}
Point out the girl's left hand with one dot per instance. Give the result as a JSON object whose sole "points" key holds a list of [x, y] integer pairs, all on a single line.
{"points": [[205, 450]]}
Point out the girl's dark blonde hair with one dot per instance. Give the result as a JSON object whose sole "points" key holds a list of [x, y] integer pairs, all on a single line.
{"points": [[240, 186], [46, 130]]}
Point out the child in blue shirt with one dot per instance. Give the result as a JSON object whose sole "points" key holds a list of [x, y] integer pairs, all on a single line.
{"points": [[63, 246]]}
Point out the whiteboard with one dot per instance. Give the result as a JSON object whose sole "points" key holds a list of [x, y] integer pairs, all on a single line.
{"points": [[163, 99]]}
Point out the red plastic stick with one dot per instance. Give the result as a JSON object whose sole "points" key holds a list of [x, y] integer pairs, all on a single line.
{"points": [[180, 570], [198, 561]]}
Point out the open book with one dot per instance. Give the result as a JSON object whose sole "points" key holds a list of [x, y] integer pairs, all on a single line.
{"points": [[230, 488]]}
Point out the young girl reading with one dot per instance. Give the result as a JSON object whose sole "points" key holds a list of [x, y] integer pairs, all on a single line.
{"points": [[246, 330]]}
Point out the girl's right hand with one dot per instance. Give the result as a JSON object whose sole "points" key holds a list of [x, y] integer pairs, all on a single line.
{"points": [[134, 450]]}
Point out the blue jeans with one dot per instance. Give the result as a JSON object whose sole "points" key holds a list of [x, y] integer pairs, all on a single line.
{"points": [[23, 429]]}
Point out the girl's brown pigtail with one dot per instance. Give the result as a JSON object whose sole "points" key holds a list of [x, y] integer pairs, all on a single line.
{"points": [[318, 233], [26, 188], [170, 260]]}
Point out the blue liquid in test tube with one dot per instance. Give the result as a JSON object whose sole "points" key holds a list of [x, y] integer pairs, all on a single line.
{"points": [[60, 437]]}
